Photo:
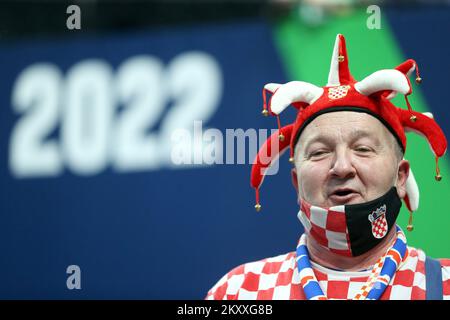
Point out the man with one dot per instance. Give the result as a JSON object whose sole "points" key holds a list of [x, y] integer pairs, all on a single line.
{"points": [[347, 145]]}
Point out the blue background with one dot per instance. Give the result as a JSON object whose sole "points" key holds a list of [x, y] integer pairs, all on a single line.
{"points": [[167, 234]]}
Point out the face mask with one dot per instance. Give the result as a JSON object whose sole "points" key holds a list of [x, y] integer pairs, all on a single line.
{"points": [[354, 229]]}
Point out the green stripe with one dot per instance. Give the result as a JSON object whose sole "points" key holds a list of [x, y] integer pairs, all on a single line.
{"points": [[306, 53]]}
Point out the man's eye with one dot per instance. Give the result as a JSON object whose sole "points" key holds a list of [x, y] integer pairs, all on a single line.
{"points": [[317, 153], [363, 149]]}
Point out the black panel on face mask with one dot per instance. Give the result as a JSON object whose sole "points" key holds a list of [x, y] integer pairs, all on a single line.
{"points": [[369, 223]]}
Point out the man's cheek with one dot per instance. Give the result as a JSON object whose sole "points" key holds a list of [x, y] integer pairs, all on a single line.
{"points": [[310, 186], [380, 172]]}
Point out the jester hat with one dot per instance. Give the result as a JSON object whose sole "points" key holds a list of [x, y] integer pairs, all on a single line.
{"points": [[371, 95]]}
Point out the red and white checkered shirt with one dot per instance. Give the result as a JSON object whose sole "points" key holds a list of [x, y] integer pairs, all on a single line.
{"points": [[277, 278]]}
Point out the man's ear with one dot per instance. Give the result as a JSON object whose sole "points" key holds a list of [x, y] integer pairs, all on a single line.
{"points": [[294, 179], [402, 176]]}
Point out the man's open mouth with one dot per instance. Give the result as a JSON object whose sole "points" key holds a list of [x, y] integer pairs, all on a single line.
{"points": [[343, 195]]}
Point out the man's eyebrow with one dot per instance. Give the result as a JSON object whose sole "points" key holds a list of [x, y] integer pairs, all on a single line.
{"points": [[317, 138], [357, 134]]}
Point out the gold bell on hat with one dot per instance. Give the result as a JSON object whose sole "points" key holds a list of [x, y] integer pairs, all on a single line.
{"points": [[281, 137], [265, 112], [257, 205], [410, 226], [418, 78], [413, 118], [438, 176]]}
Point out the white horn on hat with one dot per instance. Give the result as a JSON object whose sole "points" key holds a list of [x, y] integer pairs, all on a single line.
{"points": [[389, 79], [294, 91], [272, 87]]}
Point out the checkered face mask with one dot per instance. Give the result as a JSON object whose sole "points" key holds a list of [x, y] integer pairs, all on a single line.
{"points": [[354, 229]]}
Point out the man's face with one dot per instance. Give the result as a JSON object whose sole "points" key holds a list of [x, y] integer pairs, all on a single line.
{"points": [[347, 158]]}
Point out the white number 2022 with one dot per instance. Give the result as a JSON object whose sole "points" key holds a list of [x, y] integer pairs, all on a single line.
{"points": [[102, 117]]}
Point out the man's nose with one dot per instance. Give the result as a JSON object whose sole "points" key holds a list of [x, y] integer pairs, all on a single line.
{"points": [[342, 166]]}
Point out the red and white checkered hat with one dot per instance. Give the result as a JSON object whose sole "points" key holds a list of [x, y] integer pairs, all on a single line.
{"points": [[343, 93]]}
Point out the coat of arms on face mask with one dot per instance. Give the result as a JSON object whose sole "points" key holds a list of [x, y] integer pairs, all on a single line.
{"points": [[379, 223]]}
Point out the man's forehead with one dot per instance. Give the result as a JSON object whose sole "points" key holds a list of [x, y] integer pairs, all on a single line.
{"points": [[351, 124], [350, 133]]}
